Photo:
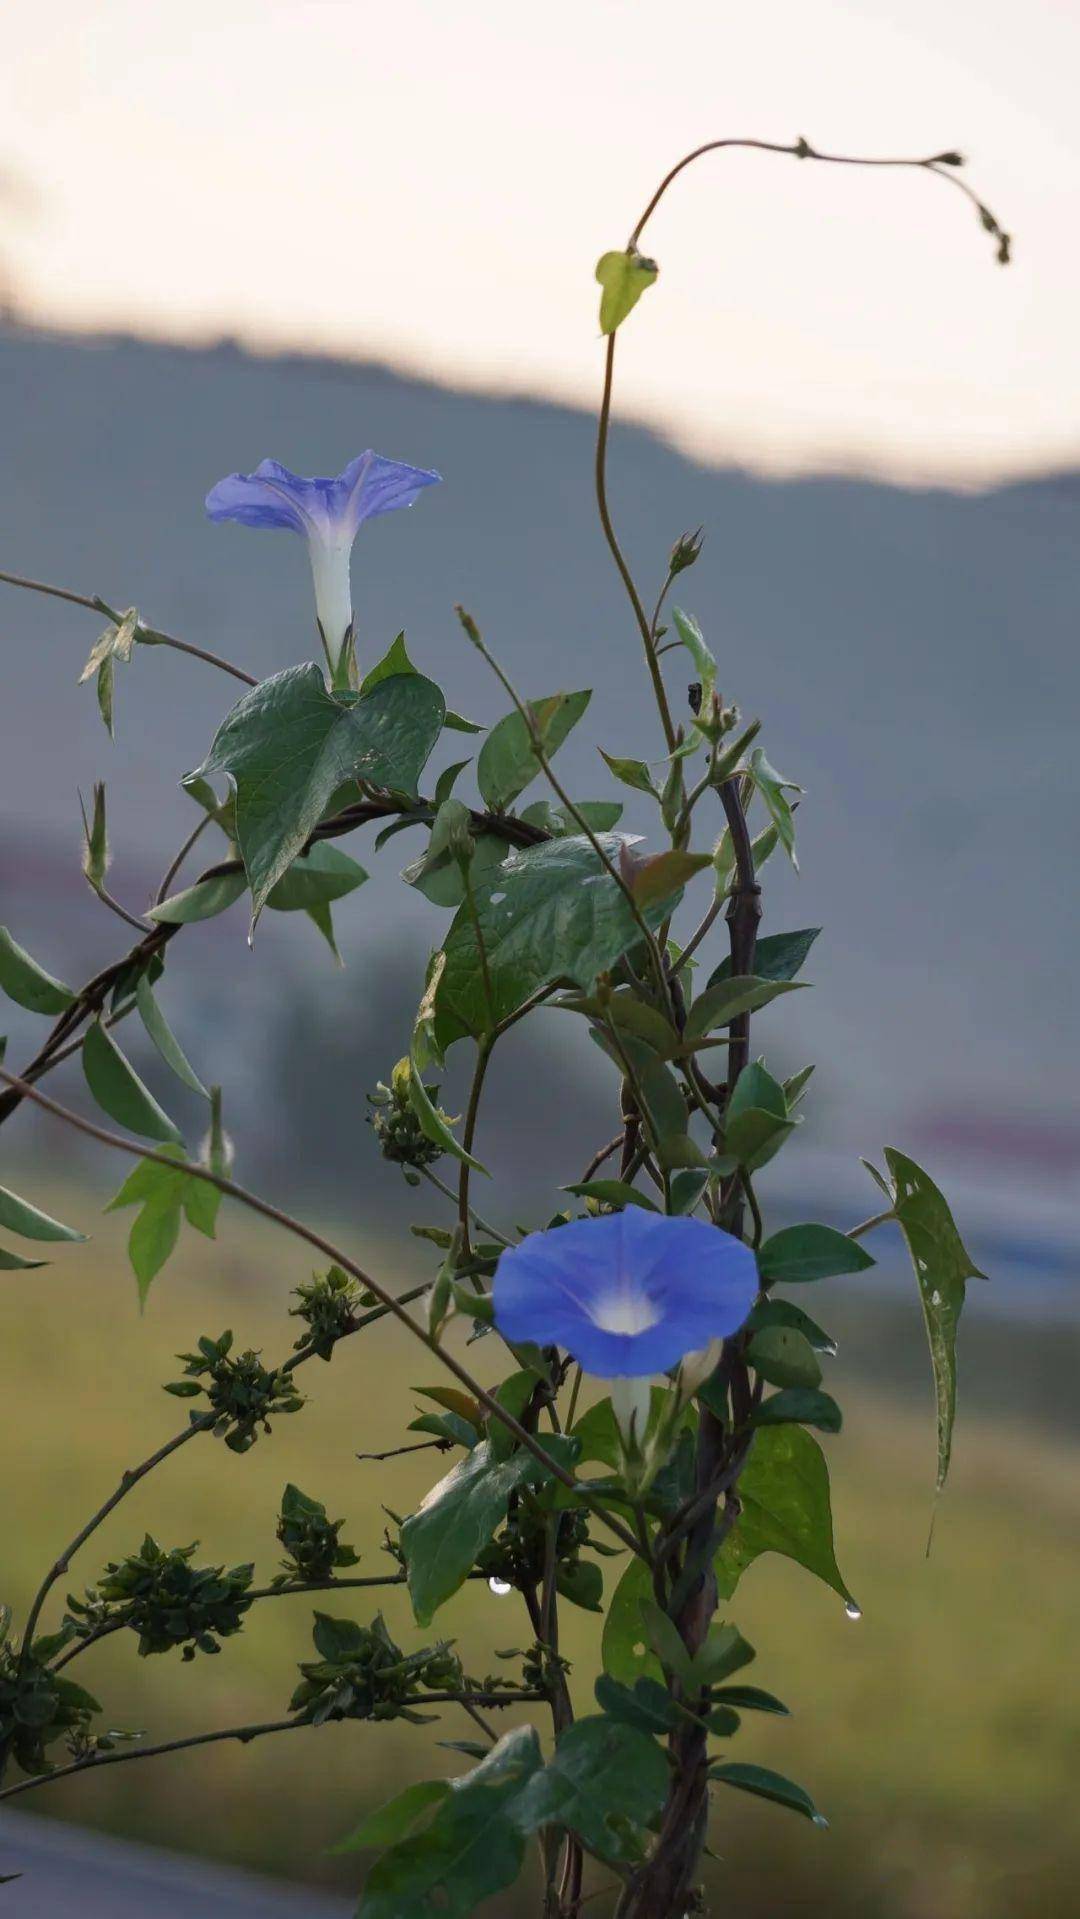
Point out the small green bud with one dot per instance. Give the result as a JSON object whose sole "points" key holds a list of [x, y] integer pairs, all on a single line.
{"points": [[684, 553]]}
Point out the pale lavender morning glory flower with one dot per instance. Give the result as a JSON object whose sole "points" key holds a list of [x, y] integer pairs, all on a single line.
{"points": [[329, 514], [627, 1294]]}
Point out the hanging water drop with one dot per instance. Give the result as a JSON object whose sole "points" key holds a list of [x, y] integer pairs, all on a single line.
{"points": [[500, 1587], [852, 1610]]}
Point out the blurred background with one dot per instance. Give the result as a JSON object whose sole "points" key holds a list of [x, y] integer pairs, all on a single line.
{"points": [[237, 230]]}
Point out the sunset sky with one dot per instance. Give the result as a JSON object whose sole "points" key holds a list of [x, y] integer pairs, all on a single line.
{"points": [[431, 184]]}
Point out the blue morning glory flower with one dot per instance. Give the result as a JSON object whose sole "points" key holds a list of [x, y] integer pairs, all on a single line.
{"points": [[628, 1294], [329, 514]]}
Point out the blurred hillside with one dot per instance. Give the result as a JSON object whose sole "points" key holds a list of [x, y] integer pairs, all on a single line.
{"points": [[912, 654]]}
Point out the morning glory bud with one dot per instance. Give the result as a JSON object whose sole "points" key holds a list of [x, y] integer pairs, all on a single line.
{"points": [[685, 551], [329, 514]]}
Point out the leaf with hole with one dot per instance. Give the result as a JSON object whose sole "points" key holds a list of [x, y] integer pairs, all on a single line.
{"points": [[942, 1268]]}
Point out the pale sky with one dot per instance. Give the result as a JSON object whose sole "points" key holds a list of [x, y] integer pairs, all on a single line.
{"points": [[431, 184]]}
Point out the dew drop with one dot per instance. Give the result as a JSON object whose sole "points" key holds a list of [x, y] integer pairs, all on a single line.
{"points": [[819, 1819], [830, 1349], [500, 1587], [852, 1610]]}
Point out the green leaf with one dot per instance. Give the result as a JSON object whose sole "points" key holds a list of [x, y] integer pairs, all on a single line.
{"points": [[784, 1357], [665, 1639], [203, 901], [18, 1216], [719, 1004], [15, 1263], [289, 744], [582, 1583], [646, 1705], [942, 1268], [693, 639], [611, 1192], [163, 1037], [322, 919], [633, 773], [473, 1847], [784, 1495], [756, 1090], [439, 877], [626, 1653], [801, 1405], [317, 878], [624, 276], [599, 815], [114, 644], [723, 1651], [400, 1816], [27, 983], [768, 1785], [656, 878], [164, 1195], [756, 1122], [457, 1519], [774, 789], [95, 860], [801, 1253], [118, 1089], [778, 956], [687, 1188], [780, 1312], [507, 763], [624, 1010], [547, 913], [602, 1777], [749, 1699], [394, 661], [153, 1237], [457, 723]]}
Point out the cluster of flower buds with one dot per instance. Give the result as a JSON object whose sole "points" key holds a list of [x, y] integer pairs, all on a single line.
{"points": [[361, 1674], [328, 1306], [160, 1595], [311, 1540], [398, 1130], [241, 1390], [38, 1706]]}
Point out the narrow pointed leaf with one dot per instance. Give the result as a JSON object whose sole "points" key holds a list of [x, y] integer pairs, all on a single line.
{"points": [[27, 983], [203, 901], [942, 1268], [18, 1216], [118, 1089], [163, 1037]]}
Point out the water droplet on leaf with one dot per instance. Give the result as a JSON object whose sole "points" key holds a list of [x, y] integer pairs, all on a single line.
{"points": [[852, 1610], [500, 1587]]}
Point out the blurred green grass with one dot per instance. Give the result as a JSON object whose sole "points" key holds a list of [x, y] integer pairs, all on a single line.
{"points": [[941, 1733]]}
